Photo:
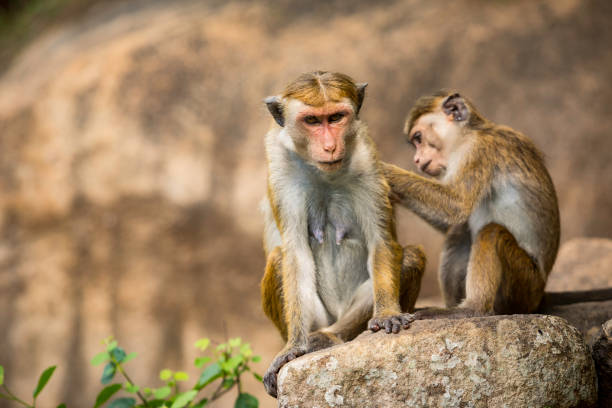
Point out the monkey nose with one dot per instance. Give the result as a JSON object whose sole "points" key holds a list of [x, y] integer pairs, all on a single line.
{"points": [[330, 148]]}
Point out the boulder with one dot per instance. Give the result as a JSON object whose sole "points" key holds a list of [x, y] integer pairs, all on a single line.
{"points": [[602, 355], [499, 361]]}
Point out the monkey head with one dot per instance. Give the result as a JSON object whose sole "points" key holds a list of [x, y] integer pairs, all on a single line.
{"points": [[435, 128], [318, 114]]}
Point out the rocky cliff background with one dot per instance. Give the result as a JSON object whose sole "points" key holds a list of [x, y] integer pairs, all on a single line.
{"points": [[132, 162]]}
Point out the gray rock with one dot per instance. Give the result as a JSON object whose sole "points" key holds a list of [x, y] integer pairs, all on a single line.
{"points": [[501, 361]]}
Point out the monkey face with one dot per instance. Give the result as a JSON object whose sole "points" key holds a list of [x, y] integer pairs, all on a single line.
{"points": [[322, 133], [433, 136]]}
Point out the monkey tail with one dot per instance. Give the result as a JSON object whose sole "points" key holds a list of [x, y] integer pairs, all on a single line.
{"points": [[566, 298]]}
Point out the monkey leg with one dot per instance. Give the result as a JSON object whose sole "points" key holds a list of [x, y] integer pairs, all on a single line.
{"points": [[411, 273], [453, 264], [272, 291], [413, 268], [501, 279], [355, 319], [272, 303]]}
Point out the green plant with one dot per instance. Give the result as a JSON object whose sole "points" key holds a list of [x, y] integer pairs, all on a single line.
{"points": [[230, 360], [227, 364], [42, 382]]}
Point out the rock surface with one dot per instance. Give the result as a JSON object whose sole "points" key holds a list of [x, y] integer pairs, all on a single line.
{"points": [[602, 355], [587, 317], [511, 361]]}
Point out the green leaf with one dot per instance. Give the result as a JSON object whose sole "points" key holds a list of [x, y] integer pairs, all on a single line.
{"points": [[106, 393], [1, 375], [184, 399], [100, 358], [43, 380], [118, 354], [131, 388], [246, 400], [235, 342], [256, 359], [129, 357], [162, 392], [230, 365], [181, 376], [201, 403], [200, 361], [258, 377], [111, 345], [156, 403], [227, 383], [245, 350], [209, 375], [122, 403], [202, 344], [61, 406], [165, 374], [221, 347], [109, 372]]}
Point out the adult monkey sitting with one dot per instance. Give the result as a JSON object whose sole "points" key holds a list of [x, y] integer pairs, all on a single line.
{"points": [[494, 199], [333, 261]]}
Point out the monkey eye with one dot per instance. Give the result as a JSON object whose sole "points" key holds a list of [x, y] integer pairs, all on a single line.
{"points": [[336, 117], [311, 120], [416, 138]]}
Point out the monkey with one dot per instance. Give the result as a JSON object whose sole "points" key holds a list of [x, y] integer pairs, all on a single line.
{"points": [[333, 263], [489, 191]]}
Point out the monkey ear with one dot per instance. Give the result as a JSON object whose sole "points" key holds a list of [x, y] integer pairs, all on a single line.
{"points": [[360, 95], [455, 105], [275, 106]]}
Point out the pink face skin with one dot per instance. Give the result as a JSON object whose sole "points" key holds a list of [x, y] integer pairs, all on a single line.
{"points": [[326, 127], [430, 156]]}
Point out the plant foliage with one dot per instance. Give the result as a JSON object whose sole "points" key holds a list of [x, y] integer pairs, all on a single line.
{"points": [[226, 363]]}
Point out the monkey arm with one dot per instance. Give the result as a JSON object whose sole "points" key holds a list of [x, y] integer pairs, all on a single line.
{"points": [[441, 205], [386, 278]]}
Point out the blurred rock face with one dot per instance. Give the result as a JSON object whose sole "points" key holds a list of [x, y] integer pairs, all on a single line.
{"points": [[132, 161]]}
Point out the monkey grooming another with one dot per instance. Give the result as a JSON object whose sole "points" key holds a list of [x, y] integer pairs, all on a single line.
{"points": [[494, 199], [333, 261]]}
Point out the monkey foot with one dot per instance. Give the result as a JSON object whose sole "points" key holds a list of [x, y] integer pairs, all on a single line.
{"points": [[281, 359], [391, 323], [321, 340]]}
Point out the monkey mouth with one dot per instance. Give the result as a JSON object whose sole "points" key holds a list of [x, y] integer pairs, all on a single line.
{"points": [[330, 165], [425, 166]]}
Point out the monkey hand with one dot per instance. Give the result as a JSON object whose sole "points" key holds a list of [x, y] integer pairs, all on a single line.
{"points": [[391, 323], [282, 358]]}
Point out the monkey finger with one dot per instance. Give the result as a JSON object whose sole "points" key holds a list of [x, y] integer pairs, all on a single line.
{"points": [[406, 320], [396, 324], [388, 326], [374, 325]]}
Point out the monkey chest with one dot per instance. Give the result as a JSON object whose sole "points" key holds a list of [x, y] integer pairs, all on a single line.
{"points": [[339, 250]]}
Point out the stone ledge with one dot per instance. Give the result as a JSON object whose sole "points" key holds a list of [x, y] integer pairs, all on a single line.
{"points": [[499, 361]]}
